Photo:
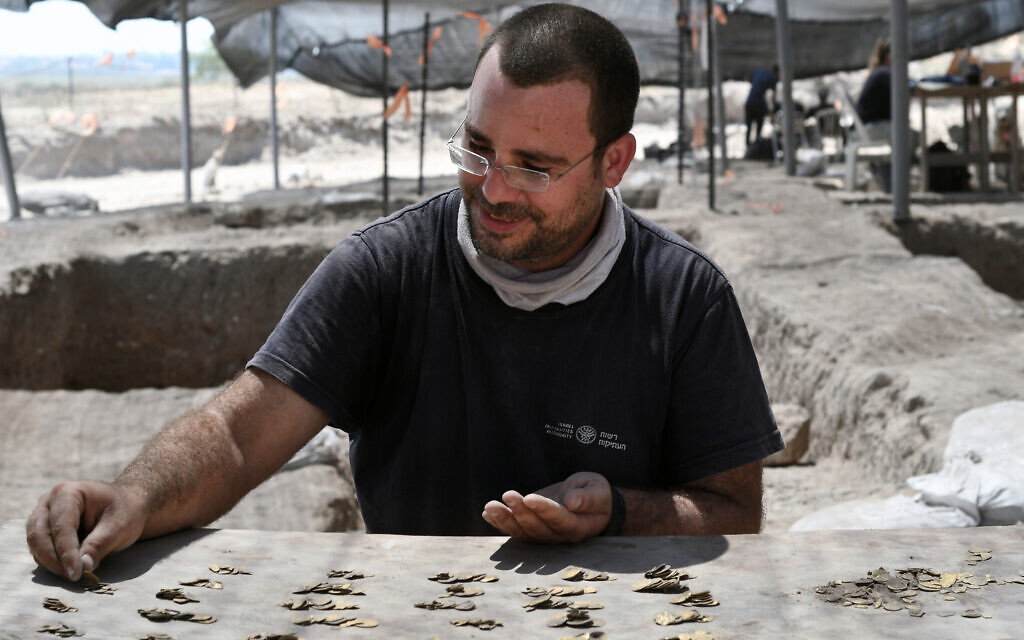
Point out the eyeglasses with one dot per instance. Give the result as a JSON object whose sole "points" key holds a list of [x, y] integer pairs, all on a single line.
{"points": [[515, 177]]}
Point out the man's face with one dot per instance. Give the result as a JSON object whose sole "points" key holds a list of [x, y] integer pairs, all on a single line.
{"points": [[544, 128]]}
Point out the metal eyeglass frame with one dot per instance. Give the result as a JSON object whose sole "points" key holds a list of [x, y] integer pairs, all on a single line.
{"points": [[516, 177]]}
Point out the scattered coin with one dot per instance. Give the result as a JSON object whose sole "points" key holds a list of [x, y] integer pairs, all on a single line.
{"points": [[978, 554], [658, 585], [320, 604], [435, 605], [585, 604], [446, 577], [700, 634], [901, 587], [348, 574], [92, 584], [484, 624], [694, 598], [461, 591], [546, 601], [205, 583], [55, 604], [332, 588], [272, 636], [335, 620], [165, 615], [971, 613], [666, 572], [558, 590], [575, 574], [587, 635], [666, 618], [59, 630], [228, 570], [574, 618], [176, 595], [154, 636]]}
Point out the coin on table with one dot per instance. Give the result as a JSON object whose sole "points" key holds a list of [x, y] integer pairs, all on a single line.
{"points": [[59, 630], [349, 574], [176, 595], [202, 582], [58, 605]]}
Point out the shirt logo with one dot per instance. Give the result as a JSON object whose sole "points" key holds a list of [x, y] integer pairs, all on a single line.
{"points": [[586, 434]]}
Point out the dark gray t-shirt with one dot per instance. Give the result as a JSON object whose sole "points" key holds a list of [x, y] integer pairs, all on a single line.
{"points": [[452, 397]]}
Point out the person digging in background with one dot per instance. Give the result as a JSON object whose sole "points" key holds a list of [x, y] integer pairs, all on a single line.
{"points": [[525, 330]]}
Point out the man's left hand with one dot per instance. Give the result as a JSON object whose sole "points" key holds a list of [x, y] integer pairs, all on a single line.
{"points": [[569, 511]]}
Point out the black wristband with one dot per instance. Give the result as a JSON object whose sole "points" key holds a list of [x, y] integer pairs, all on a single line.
{"points": [[614, 527]]}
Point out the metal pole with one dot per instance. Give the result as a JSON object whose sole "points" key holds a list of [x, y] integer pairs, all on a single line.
{"points": [[711, 104], [71, 87], [273, 96], [7, 169], [384, 124], [684, 38], [423, 101], [720, 100], [186, 122], [900, 96], [785, 48]]}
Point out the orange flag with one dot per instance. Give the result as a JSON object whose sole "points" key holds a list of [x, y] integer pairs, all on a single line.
{"points": [[89, 124], [105, 60], [130, 54], [375, 43], [430, 45], [483, 27], [400, 97], [699, 138], [720, 15]]}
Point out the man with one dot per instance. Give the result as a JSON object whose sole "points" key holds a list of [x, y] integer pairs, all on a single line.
{"points": [[757, 105], [525, 332]]}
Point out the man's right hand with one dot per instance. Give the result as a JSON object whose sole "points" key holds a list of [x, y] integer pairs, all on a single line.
{"points": [[109, 516]]}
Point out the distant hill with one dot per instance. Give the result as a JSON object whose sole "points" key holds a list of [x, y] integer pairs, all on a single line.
{"points": [[118, 64]]}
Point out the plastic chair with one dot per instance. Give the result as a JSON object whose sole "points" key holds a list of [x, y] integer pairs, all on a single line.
{"points": [[864, 142]]}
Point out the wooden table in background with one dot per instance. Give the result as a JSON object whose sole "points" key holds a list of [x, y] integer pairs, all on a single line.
{"points": [[984, 155], [765, 584]]}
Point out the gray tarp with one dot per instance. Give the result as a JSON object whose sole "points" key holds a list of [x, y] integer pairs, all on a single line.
{"points": [[326, 40]]}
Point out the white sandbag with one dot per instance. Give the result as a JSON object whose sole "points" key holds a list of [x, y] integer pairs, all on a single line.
{"points": [[326, 447], [956, 485], [810, 162], [897, 512], [983, 469]]}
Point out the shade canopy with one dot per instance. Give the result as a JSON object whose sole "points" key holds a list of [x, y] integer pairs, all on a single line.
{"points": [[326, 40]]}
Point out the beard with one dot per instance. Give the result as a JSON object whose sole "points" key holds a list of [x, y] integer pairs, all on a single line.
{"points": [[548, 233]]}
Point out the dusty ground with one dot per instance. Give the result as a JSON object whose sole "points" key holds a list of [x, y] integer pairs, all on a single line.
{"points": [[116, 314]]}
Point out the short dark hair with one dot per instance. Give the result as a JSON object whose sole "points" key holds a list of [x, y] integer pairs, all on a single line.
{"points": [[549, 43]]}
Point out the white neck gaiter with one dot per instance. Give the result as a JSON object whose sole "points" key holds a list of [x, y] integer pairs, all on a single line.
{"points": [[572, 282]]}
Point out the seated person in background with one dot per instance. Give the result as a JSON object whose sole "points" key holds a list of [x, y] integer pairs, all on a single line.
{"points": [[874, 106], [756, 107], [874, 103]]}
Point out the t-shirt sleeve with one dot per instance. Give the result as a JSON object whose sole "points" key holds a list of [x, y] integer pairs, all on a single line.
{"points": [[323, 345], [719, 417]]}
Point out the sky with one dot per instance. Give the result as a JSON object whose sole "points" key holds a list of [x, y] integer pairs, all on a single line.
{"points": [[63, 28]]}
